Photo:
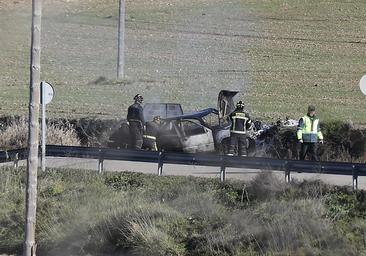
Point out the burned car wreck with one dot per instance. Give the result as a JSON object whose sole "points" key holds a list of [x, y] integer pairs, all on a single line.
{"points": [[192, 133], [207, 130]]}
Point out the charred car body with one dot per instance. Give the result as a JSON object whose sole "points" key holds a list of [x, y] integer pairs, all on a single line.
{"points": [[207, 130]]}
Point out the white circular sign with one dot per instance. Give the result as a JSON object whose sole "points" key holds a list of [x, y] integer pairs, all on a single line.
{"points": [[363, 84], [47, 92]]}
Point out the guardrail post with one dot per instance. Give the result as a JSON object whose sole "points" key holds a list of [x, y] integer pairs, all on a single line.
{"points": [[160, 164], [100, 162], [354, 178], [288, 176], [222, 170], [100, 165], [16, 161], [287, 173]]}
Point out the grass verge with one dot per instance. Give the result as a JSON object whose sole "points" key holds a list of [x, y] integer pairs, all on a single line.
{"points": [[83, 213]]}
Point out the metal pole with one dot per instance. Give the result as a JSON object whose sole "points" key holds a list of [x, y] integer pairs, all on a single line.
{"points": [[121, 40], [33, 132], [354, 178], [100, 165], [16, 161], [287, 172], [43, 127], [222, 174], [160, 164], [355, 182], [288, 176]]}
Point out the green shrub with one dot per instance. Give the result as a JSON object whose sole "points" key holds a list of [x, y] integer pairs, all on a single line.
{"points": [[82, 212], [125, 181]]}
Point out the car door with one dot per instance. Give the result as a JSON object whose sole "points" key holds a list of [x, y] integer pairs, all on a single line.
{"points": [[169, 137], [195, 137]]}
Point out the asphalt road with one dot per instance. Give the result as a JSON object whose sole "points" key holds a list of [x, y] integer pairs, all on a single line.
{"points": [[191, 170]]}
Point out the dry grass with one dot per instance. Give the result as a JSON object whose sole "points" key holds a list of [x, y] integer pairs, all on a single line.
{"points": [[83, 213], [16, 135]]}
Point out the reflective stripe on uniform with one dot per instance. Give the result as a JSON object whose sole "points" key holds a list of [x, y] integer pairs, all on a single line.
{"points": [[238, 132], [240, 116], [149, 137]]}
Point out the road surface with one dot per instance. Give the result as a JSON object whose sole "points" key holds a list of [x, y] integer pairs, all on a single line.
{"points": [[190, 170]]}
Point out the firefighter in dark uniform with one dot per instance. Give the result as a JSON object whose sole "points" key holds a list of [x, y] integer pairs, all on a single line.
{"points": [[135, 117], [151, 134], [240, 124], [309, 134]]}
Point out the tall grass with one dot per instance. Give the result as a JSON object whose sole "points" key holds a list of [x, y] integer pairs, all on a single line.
{"points": [[83, 213], [16, 135]]}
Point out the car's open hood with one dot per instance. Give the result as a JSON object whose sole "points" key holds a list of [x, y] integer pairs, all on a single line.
{"points": [[225, 103]]}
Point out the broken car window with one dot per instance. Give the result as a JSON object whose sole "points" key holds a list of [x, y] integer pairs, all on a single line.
{"points": [[192, 127]]}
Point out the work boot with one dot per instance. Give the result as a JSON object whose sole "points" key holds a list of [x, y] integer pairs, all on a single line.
{"points": [[243, 153]]}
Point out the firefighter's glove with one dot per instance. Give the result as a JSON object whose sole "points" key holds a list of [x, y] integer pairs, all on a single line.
{"points": [[321, 141], [301, 141]]}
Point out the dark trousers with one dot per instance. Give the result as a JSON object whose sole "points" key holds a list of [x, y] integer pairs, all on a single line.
{"points": [[238, 141], [136, 134], [310, 150]]}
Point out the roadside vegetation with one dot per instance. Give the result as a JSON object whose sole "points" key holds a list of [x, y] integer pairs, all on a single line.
{"points": [[14, 135], [83, 213], [343, 141]]}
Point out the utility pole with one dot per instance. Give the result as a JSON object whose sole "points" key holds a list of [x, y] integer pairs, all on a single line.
{"points": [[33, 132], [121, 40]]}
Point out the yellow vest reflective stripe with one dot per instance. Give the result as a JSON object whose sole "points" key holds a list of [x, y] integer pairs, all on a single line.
{"points": [[310, 131]]}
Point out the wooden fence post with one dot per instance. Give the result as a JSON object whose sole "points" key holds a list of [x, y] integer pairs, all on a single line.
{"points": [[121, 40], [33, 132]]}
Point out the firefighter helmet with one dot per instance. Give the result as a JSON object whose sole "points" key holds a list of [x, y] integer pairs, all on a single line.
{"points": [[156, 119], [240, 105], [138, 98]]}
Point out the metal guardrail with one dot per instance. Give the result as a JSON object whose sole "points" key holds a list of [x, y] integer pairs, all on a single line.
{"points": [[13, 156], [338, 168]]}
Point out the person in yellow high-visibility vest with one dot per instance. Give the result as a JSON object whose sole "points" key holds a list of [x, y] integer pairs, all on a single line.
{"points": [[309, 134]]}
